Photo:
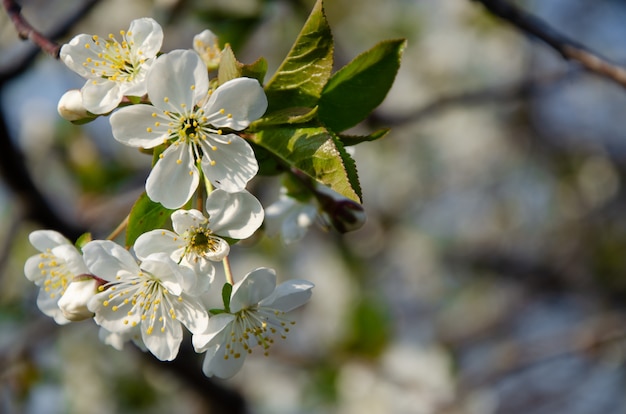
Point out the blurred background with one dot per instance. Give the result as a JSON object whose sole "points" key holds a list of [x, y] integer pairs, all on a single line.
{"points": [[489, 278]]}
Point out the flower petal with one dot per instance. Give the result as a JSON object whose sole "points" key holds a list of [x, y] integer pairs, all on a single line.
{"points": [[192, 314], [156, 241], [187, 220], [171, 276], [289, 295], [101, 96], [74, 54], [43, 240], [216, 363], [217, 326], [141, 126], [109, 316], [236, 103], [235, 215], [48, 305], [177, 81], [163, 344], [231, 165], [105, 259], [250, 290], [145, 36], [174, 178]]}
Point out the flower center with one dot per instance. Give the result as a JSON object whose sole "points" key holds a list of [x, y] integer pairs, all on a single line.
{"points": [[143, 299], [56, 274], [255, 326], [115, 61]]}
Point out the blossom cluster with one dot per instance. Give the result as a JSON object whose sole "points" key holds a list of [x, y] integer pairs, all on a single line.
{"points": [[146, 293]]}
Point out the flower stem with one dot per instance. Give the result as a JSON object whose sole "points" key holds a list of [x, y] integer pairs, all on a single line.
{"points": [[118, 230], [228, 271]]}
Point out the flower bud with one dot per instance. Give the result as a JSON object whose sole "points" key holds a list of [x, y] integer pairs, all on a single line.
{"points": [[207, 46], [71, 107], [74, 301], [344, 214], [347, 216]]}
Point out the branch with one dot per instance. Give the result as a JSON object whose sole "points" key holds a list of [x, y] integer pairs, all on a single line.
{"points": [[566, 47], [28, 32]]}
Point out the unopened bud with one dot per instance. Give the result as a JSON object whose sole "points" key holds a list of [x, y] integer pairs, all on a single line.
{"points": [[347, 216], [71, 107], [344, 214], [74, 301], [207, 46]]}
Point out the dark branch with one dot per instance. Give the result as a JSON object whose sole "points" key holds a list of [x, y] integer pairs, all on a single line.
{"points": [[569, 49]]}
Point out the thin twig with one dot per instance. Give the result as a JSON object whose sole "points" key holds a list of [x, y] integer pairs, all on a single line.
{"points": [[28, 32], [569, 49]]}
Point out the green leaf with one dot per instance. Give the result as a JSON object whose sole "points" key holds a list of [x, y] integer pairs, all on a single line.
{"points": [[314, 151], [83, 240], [348, 140], [227, 289], [355, 90], [145, 215], [255, 70], [229, 67], [289, 116], [299, 80]]}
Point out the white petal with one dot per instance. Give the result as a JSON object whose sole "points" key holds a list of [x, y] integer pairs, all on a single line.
{"points": [[32, 271], [105, 259], [43, 240], [297, 222], [231, 165], [215, 363], [101, 96], [178, 79], [187, 220], [171, 276], [172, 183], [236, 215], [163, 345], [241, 98], [289, 295], [254, 287], [220, 250], [217, 326], [192, 314], [137, 126], [72, 258], [74, 54], [109, 317], [146, 35], [48, 305], [156, 241]]}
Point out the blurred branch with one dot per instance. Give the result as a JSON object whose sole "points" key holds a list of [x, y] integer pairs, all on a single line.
{"points": [[42, 42], [513, 355], [569, 49], [488, 95], [26, 31]]}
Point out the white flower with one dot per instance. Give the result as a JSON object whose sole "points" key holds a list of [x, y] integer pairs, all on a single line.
{"points": [[53, 270], [113, 69], [194, 242], [74, 301], [206, 45], [256, 312], [150, 296], [289, 218], [191, 124]]}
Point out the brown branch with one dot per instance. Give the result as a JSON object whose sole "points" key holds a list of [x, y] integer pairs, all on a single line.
{"points": [[569, 49], [28, 32]]}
